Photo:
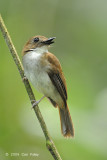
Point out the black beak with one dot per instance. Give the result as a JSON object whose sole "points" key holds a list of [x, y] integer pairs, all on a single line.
{"points": [[49, 41]]}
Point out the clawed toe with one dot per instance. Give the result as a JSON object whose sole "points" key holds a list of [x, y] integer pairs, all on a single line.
{"points": [[36, 102]]}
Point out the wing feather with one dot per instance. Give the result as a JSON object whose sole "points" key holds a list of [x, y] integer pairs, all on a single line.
{"points": [[58, 83], [56, 75]]}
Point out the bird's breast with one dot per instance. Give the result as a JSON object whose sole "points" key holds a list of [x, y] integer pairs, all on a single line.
{"points": [[36, 72], [38, 76]]}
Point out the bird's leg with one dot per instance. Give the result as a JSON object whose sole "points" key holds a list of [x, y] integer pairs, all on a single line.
{"points": [[36, 102]]}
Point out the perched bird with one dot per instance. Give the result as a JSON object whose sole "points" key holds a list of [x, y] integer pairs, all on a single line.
{"points": [[44, 71]]}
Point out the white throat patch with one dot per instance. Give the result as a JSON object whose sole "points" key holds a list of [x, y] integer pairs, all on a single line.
{"points": [[41, 50]]}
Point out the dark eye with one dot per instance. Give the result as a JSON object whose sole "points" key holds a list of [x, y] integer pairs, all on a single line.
{"points": [[36, 39]]}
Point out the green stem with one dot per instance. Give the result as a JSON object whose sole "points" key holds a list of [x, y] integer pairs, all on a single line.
{"points": [[49, 143]]}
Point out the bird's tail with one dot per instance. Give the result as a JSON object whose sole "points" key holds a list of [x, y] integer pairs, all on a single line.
{"points": [[66, 122]]}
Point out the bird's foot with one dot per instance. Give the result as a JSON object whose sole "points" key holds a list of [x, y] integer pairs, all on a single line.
{"points": [[35, 103]]}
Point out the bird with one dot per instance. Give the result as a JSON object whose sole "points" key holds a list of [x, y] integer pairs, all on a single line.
{"points": [[44, 71]]}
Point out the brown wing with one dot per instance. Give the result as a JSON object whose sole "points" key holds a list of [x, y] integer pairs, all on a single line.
{"points": [[58, 83], [56, 76]]}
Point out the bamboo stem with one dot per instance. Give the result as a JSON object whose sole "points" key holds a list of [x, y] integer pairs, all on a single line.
{"points": [[49, 143]]}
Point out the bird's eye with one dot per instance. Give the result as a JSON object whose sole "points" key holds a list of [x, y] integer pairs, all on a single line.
{"points": [[36, 39]]}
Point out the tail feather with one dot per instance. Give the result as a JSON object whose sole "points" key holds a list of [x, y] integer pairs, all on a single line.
{"points": [[66, 122]]}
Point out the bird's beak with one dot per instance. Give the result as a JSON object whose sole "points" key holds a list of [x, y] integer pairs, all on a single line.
{"points": [[49, 41]]}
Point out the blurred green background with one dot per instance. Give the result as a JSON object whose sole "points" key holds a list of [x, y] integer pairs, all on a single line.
{"points": [[81, 46]]}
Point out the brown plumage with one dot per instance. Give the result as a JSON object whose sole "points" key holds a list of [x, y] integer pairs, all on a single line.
{"points": [[43, 69], [57, 77]]}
